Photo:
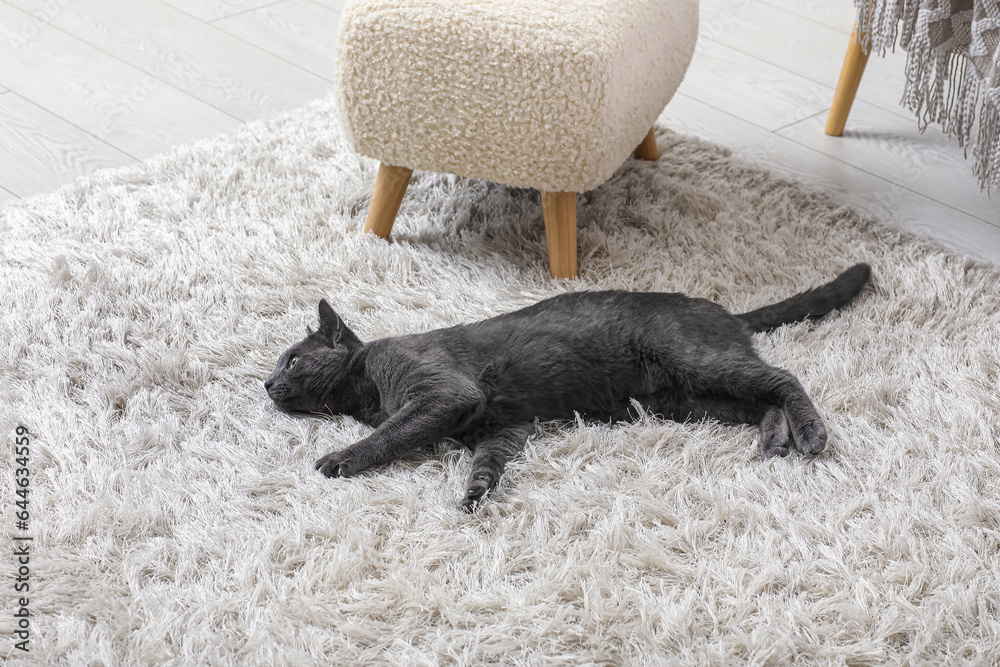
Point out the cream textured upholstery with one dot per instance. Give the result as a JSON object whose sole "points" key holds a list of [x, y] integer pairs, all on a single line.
{"points": [[532, 93], [544, 94]]}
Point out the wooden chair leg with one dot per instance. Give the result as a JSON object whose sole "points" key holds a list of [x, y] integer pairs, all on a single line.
{"points": [[847, 86], [390, 186], [559, 212], [647, 150]]}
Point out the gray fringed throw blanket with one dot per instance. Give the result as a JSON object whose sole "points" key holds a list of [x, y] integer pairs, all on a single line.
{"points": [[952, 67]]}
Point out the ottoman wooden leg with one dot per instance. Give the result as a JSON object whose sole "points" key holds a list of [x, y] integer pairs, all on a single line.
{"points": [[390, 186], [647, 150], [559, 211]]}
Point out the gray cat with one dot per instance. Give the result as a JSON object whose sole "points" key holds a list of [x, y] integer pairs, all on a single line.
{"points": [[591, 353]]}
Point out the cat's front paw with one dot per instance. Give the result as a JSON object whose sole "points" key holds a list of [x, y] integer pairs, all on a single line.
{"points": [[810, 436], [338, 464]]}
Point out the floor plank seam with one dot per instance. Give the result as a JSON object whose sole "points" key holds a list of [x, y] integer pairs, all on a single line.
{"points": [[242, 12]]}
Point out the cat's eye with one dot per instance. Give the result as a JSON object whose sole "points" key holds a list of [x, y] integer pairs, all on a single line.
{"points": [[291, 362]]}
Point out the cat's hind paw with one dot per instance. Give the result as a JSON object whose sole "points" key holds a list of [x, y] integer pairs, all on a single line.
{"points": [[775, 435], [772, 450], [810, 436]]}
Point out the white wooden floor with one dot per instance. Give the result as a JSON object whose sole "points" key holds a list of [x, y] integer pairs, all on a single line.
{"points": [[88, 84]]}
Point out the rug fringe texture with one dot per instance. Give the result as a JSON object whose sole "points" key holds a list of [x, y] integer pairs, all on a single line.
{"points": [[177, 518]]}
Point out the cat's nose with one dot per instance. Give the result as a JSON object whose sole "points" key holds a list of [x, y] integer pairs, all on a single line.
{"points": [[267, 383]]}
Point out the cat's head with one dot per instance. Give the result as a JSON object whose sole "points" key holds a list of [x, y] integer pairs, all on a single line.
{"points": [[309, 373]]}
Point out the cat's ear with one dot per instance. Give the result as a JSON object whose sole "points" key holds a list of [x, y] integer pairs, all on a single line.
{"points": [[333, 328], [329, 321]]}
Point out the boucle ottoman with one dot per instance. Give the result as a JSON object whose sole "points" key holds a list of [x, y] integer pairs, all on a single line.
{"points": [[544, 94]]}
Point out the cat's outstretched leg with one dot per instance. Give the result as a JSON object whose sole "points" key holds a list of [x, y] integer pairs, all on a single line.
{"points": [[489, 460], [418, 423], [776, 435], [753, 393]]}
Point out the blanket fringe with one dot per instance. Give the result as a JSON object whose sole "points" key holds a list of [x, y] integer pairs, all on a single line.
{"points": [[942, 86]]}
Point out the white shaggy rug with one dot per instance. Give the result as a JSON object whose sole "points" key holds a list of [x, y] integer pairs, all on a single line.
{"points": [[177, 518]]}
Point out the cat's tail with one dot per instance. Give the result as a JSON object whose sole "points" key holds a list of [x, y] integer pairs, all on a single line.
{"points": [[816, 302]]}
